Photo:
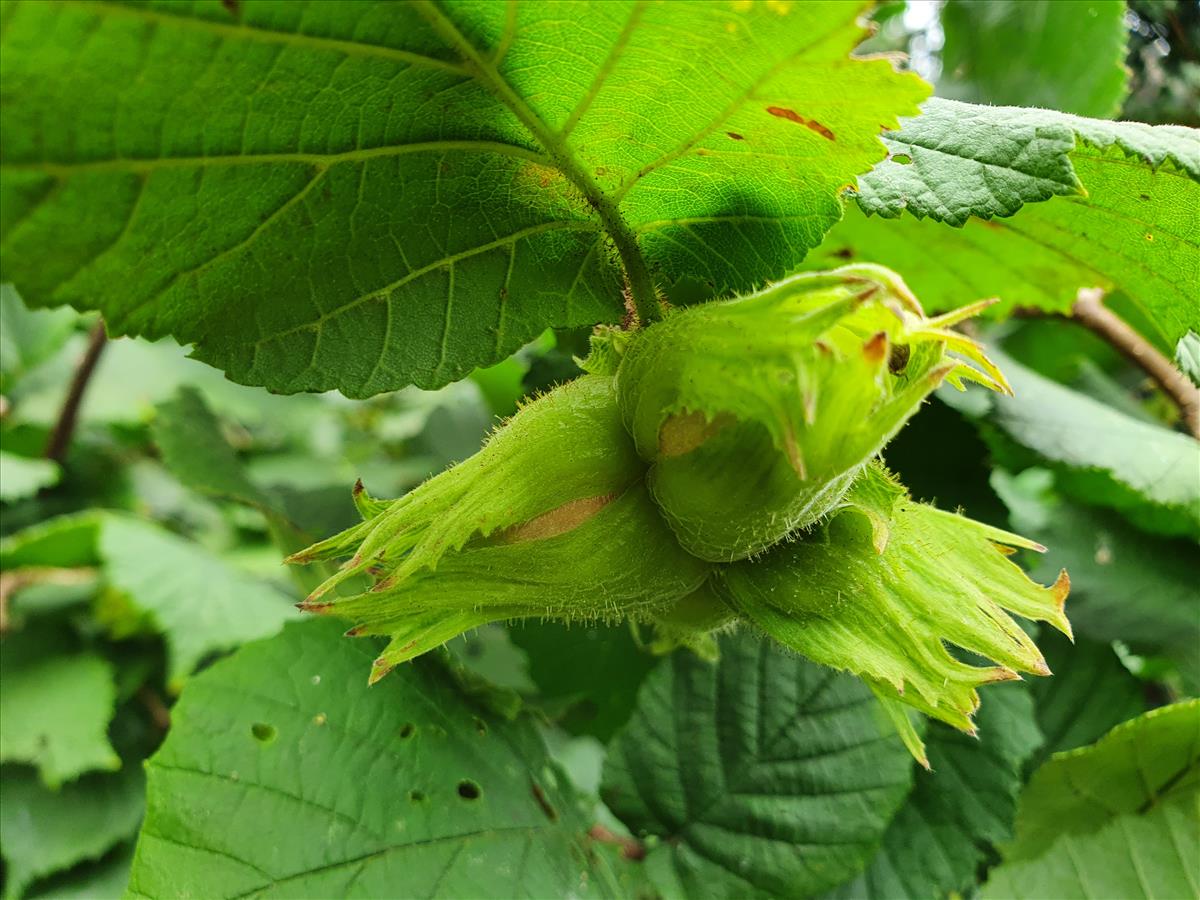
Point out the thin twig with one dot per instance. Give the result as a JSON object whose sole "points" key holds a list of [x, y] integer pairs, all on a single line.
{"points": [[1090, 312], [160, 713], [64, 428]]}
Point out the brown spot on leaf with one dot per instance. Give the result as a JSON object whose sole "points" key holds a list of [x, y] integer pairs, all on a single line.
{"points": [[844, 253], [233, 7], [782, 112], [735, 136]]}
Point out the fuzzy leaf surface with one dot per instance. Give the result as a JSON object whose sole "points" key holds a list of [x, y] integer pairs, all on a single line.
{"points": [[49, 831], [362, 196], [401, 789], [1119, 212], [761, 774]]}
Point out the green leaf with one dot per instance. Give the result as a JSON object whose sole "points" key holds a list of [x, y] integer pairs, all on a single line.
{"points": [[49, 831], [28, 337], [1120, 818], [22, 477], [1100, 455], [104, 880], [1148, 856], [967, 801], [1066, 56], [194, 449], [200, 603], [1116, 216], [362, 197], [1091, 692], [1136, 766], [61, 542], [55, 705], [589, 673], [1125, 584], [761, 774], [400, 789]]}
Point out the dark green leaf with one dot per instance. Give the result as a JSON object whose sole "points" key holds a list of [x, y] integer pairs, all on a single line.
{"points": [[588, 674], [1091, 692], [966, 803], [402, 790], [761, 774]]}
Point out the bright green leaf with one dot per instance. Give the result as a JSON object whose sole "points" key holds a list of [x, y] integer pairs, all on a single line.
{"points": [[1136, 766], [55, 705], [28, 337], [1047, 53], [969, 800], [761, 774], [49, 831], [22, 477], [1127, 223], [201, 604], [362, 196], [403, 789]]}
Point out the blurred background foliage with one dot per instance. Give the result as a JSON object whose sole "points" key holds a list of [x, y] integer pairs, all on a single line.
{"points": [[153, 544]]}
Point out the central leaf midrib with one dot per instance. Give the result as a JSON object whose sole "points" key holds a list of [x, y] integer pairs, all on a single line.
{"points": [[641, 283]]}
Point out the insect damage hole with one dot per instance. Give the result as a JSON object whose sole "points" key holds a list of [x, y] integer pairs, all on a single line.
{"points": [[262, 732], [407, 730], [469, 790]]}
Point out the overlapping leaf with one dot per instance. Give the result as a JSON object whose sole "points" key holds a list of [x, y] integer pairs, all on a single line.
{"points": [[401, 790], [48, 831], [955, 811], [1120, 818], [1120, 211], [762, 774], [362, 196]]}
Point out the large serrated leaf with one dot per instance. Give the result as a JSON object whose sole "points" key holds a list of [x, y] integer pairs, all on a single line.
{"points": [[1120, 212], [365, 195], [401, 790], [761, 774]]}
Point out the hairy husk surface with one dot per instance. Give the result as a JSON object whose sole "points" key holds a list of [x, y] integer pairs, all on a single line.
{"points": [[714, 468]]}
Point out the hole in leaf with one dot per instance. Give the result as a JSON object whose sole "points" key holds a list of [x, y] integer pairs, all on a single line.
{"points": [[469, 790], [263, 733], [407, 730], [481, 726], [902, 159], [416, 796]]}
